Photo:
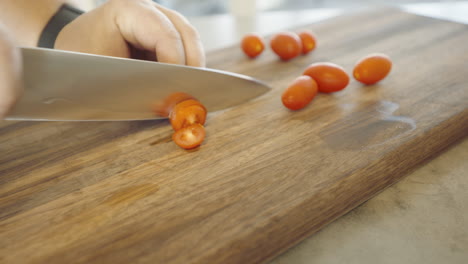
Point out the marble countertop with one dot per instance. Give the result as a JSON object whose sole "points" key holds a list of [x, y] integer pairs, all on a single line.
{"points": [[421, 219]]}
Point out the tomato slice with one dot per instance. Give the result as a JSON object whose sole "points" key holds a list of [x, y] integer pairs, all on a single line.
{"points": [[165, 107], [189, 137], [187, 113]]}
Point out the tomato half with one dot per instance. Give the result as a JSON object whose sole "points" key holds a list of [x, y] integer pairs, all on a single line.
{"points": [[329, 76], [372, 68], [189, 137], [286, 45], [187, 113], [309, 41], [299, 93], [165, 107], [252, 45]]}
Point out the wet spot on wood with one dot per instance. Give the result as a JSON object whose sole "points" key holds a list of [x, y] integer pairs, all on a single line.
{"points": [[369, 124]]}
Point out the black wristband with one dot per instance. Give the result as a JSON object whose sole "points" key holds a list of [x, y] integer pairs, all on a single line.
{"points": [[59, 20]]}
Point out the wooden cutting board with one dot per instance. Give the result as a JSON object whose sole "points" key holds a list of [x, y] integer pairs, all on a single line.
{"points": [[265, 178]]}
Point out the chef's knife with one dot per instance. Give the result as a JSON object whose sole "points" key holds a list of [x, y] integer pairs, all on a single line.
{"points": [[70, 86]]}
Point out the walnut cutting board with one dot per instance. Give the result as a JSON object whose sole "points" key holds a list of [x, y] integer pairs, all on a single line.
{"points": [[265, 178]]}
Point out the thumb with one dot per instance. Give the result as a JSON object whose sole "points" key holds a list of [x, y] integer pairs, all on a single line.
{"points": [[10, 72]]}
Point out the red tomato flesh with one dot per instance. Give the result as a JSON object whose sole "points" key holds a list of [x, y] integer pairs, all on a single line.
{"points": [[189, 137], [187, 113], [165, 107]]}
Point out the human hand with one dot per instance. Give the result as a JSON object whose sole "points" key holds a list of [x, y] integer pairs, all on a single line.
{"points": [[139, 29], [10, 72]]}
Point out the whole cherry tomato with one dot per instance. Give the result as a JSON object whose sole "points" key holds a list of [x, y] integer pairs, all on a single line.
{"points": [[187, 113], [372, 68], [252, 45], [309, 41], [189, 137], [329, 76], [286, 45], [165, 107], [299, 93]]}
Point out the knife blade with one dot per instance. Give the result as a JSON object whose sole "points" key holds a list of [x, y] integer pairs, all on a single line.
{"points": [[70, 86]]}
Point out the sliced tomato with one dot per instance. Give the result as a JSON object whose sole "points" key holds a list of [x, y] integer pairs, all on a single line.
{"points": [[187, 113], [189, 137], [165, 107]]}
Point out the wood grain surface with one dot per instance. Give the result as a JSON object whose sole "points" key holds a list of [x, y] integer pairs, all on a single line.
{"points": [[264, 179]]}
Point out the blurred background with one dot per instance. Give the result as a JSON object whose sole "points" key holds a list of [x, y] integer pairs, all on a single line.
{"points": [[240, 7], [223, 22]]}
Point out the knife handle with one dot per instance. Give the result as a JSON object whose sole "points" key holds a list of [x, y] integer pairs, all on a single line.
{"points": [[59, 20]]}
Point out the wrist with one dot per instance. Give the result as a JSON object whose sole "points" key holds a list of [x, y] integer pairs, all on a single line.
{"points": [[94, 32], [61, 18]]}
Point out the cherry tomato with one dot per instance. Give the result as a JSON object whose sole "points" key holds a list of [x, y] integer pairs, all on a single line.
{"points": [[286, 45], [187, 113], [299, 93], [329, 76], [189, 137], [165, 107], [372, 68], [252, 45], [309, 42]]}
